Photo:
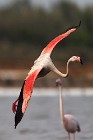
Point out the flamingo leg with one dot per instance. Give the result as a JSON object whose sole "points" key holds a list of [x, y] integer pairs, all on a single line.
{"points": [[74, 136], [68, 136]]}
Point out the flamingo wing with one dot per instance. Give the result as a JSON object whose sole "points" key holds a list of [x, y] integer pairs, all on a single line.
{"points": [[25, 95], [52, 44]]}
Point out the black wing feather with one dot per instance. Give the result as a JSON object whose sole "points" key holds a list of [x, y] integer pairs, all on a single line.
{"points": [[19, 114]]}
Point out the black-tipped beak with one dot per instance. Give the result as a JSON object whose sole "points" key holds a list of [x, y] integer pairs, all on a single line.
{"points": [[81, 61]]}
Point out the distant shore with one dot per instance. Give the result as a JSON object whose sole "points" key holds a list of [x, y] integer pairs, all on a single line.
{"points": [[78, 77]]}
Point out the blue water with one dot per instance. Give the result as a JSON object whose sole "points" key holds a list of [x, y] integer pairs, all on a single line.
{"points": [[42, 118]]}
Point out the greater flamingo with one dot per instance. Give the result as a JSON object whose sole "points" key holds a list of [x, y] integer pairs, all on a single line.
{"points": [[70, 123], [42, 66]]}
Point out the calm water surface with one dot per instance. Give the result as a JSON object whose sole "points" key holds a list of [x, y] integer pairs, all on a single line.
{"points": [[42, 119]]}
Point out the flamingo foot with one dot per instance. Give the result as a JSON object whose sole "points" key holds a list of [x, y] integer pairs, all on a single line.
{"points": [[14, 106]]}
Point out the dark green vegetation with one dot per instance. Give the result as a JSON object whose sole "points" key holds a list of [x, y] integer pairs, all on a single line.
{"points": [[25, 30]]}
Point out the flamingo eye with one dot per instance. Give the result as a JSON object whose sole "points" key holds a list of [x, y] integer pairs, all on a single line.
{"points": [[75, 57]]}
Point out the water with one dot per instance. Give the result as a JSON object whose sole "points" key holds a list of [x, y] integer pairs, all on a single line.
{"points": [[42, 119]]}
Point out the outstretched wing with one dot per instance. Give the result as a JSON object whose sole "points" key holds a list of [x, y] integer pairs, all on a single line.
{"points": [[52, 44], [25, 95]]}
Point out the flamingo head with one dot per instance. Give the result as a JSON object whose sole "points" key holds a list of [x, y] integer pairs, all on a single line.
{"points": [[58, 82], [75, 58]]}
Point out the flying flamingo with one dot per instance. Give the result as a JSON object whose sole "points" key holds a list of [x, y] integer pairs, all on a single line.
{"points": [[69, 122], [42, 66]]}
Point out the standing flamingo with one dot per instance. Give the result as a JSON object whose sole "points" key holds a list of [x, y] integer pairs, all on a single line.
{"points": [[42, 66], [70, 124]]}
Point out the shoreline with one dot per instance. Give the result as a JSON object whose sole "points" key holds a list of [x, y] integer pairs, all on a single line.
{"points": [[78, 77]]}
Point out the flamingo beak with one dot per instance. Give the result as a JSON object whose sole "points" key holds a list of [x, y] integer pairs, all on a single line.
{"points": [[81, 61]]}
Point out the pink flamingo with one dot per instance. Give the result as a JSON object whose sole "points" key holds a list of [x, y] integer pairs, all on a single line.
{"points": [[69, 122], [42, 66]]}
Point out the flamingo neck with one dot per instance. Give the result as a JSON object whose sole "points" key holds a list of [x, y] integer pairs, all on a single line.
{"points": [[67, 72], [59, 73], [61, 105]]}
